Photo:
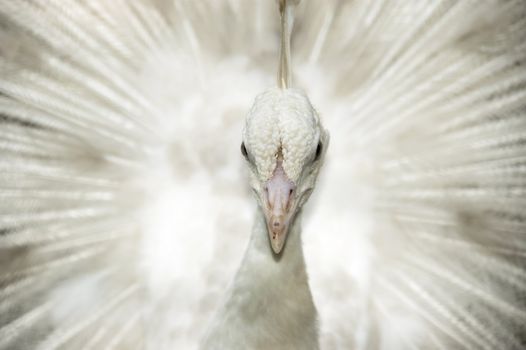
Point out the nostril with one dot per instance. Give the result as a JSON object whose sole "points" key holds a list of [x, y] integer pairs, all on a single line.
{"points": [[290, 192]]}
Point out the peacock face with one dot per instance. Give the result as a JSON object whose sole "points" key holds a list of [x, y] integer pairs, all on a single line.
{"points": [[284, 144]]}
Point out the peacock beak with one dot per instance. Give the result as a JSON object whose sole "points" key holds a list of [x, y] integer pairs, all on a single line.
{"points": [[279, 191]]}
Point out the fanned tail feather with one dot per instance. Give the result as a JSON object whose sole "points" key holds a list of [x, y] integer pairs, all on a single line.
{"points": [[122, 212]]}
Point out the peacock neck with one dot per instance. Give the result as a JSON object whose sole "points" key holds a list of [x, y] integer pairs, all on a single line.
{"points": [[270, 305]]}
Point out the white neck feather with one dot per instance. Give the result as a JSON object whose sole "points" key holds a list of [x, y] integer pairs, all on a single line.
{"points": [[270, 304]]}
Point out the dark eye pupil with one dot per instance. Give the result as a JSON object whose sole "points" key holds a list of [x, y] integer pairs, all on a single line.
{"points": [[318, 151], [244, 150]]}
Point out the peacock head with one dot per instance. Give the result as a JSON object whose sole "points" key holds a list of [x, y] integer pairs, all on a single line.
{"points": [[284, 144]]}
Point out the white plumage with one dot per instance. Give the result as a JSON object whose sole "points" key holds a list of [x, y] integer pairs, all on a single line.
{"points": [[125, 207]]}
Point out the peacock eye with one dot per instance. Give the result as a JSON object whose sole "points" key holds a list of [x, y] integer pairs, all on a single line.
{"points": [[319, 148], [244, 150]]}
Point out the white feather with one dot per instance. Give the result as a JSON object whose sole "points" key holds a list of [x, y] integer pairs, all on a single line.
{"points": [[125, 208]]}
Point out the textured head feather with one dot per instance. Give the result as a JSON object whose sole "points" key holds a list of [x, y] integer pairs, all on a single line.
{"points": [[281, 120]]}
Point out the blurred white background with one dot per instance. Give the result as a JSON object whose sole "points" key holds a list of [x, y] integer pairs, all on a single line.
{"points": [[126, 209]]}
